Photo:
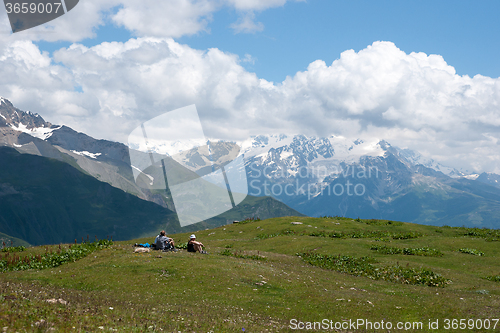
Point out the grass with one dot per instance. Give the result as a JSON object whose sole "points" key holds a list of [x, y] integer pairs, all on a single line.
{"points": [[114, 289]]}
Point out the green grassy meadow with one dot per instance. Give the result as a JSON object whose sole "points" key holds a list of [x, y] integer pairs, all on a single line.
{"points": [[261, 284]]}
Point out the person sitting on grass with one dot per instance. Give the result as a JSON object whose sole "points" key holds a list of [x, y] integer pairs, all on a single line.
{"points": [[163, 243], [194, 246]]}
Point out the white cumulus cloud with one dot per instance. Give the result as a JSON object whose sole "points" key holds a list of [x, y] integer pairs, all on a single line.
{"points": [[411, 100], [246, 24], [173, 18]]}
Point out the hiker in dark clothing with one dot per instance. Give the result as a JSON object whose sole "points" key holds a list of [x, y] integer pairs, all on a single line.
{"points": [[162, 242], [194, 246]]}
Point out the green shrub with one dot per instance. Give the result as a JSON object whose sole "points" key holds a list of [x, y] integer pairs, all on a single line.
{"points": [[249, 219], [363, 267], [14, 249], [226, 252], [344, 235], [423, 251], [285, 232], [366, 234], [229, 253], [494, 278], [266, 236], [471, 251], [488, 234], [50, 259], [381, 222], [344, 264], [407, 235], [182, 246]]}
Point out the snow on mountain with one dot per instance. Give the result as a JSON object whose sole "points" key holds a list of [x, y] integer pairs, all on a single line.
{"points": [[288, 154], [330, 153], [335, 148], [86, 153], [261, 144], [170, 148], [415, 158], [28, 122], [291, 156], [38, 132], [489, 178]]}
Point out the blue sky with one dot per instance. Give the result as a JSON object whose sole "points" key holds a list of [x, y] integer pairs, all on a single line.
{"points": [[401, 71], [463, 32], [298, 33]]}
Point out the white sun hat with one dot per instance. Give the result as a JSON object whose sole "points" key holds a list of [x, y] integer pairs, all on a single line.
{"points": [[192, 236]]}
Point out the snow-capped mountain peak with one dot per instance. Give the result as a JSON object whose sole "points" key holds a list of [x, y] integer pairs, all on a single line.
{"points": [[415, 158], [28, 122], [287, 152], [312, 149]]}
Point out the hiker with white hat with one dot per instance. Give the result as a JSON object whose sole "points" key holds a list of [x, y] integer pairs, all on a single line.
{"points": [[194, 246]]}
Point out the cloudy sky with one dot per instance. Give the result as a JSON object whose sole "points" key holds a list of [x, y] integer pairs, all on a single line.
{"points": [[420, 74]]}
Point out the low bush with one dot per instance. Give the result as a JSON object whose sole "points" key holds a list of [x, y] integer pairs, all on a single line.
{"points": [[51, 259], [14, 249], [344, 235], [230, 253], [381, 222], [363, 267], [488, 234], [422, 251], [248, 220], [494, 278], [182, 246], [366, 234], [285, 232], [471, 251]]}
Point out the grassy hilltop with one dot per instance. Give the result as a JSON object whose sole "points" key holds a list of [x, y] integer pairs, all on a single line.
{"points": [[252, 280]]}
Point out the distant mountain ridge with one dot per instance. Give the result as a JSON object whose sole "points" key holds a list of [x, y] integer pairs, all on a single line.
{"points": [[335, 176], [315, 176], [57, 185], [332, 150], [489, 178]]}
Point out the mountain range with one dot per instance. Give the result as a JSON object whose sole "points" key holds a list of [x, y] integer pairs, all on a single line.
{"points": [[338, 177], [58, 185], [286, 175]]}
